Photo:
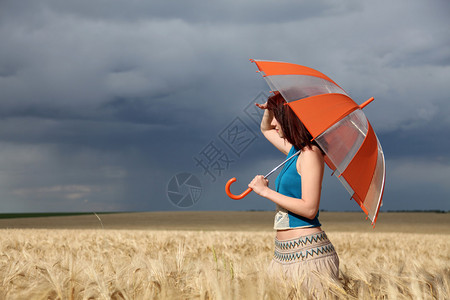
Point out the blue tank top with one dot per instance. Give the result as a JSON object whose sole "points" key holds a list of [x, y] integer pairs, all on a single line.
{"points": [[289, 183]]}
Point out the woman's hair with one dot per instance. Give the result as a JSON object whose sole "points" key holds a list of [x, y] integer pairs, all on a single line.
{"points": [[293, 129]]}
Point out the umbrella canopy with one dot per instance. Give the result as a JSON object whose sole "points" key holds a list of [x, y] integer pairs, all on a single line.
{"points": [[339, 127]]}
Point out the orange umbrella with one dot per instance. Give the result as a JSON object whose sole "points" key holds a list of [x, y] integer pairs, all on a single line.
{"points": [[339, 127]]}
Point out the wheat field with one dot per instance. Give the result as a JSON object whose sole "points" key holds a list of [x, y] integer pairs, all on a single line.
{"points": [[196, 264]]}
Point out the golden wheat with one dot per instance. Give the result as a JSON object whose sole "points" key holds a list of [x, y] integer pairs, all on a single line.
{"points": [[135, 264]]}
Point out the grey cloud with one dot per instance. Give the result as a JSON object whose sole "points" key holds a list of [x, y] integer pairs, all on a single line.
{"points": [[192, 11], [137, 88]]}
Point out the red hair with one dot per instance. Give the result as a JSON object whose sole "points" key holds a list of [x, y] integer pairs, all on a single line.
{"points": [[293, 129]]}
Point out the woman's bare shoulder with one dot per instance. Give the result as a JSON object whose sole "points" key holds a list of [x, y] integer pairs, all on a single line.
{"points": [[312, 154], [314, 150]]}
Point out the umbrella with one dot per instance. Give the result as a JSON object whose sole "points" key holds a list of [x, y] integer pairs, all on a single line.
{"points": [[339, 127]]}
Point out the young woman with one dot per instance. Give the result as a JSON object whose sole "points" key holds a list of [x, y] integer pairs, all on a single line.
{"points": [[302, 249]]}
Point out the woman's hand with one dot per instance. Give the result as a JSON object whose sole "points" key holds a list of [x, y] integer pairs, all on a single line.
{"points": [[266, 122], [259, 185], [262, 106], [269, 131]]}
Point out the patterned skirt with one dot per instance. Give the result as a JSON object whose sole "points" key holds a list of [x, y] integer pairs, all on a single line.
{"points": [[311, 259]]}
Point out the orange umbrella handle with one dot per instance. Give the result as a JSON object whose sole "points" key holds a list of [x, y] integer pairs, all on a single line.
{"points": [[232, 196]]}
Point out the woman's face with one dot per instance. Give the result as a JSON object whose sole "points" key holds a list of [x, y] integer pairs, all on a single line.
{"points": [[277, 127]]}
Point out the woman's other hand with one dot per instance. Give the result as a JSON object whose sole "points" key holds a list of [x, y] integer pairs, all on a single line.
{"points": [[262, 106], [259, 185]]}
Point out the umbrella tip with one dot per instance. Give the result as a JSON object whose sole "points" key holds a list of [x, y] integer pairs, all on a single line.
{"points": [[367, 102]]}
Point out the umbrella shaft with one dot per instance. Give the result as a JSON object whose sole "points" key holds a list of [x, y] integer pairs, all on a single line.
{"points": [[277, 167]]}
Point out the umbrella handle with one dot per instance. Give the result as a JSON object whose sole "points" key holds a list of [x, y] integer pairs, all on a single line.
{"points": [[232, 196]]}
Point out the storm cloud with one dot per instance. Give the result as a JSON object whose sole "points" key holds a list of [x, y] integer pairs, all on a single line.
{"points": [[102, 103]]}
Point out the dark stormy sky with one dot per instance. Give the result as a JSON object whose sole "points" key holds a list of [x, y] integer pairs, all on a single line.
{"points": [[105, 103]]}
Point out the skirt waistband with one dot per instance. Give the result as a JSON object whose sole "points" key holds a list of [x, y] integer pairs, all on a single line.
{"points": [[311, 240], [303, 248]]}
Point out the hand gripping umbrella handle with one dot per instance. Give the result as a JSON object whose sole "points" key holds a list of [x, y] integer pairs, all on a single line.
{"points": [[231, 195]]}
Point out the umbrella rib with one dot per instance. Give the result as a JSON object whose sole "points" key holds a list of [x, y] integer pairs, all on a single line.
{"points": [[359, 129]]}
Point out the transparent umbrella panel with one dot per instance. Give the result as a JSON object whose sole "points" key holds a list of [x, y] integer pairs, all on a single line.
{"points": [[341, 143]]}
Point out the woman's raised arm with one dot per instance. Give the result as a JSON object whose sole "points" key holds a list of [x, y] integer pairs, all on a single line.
{"points": [[268, 130]]}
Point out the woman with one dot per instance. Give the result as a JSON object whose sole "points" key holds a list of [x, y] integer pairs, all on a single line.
{"points": [[302, 249]]}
